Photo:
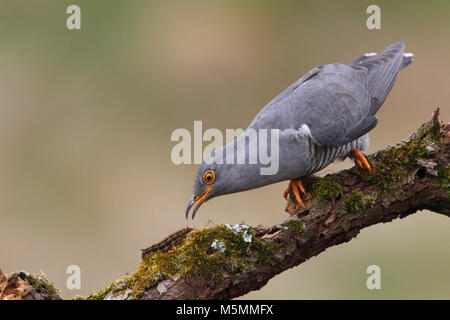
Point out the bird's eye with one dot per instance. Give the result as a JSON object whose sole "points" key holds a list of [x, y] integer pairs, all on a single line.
{"points": [[209, 176]]}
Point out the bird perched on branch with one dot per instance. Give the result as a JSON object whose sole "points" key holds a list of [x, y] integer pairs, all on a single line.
{"points": [[322, 117]]}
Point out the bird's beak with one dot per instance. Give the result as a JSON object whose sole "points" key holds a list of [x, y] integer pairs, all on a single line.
{"points": [[198, 201]]}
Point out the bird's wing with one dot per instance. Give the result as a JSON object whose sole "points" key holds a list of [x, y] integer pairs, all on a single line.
{"points": [[335, 105], [279, 99], [337, 102], [382, 70]]}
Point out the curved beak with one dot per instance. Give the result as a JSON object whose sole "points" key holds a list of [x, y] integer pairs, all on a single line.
{"points": [[197, 201]]}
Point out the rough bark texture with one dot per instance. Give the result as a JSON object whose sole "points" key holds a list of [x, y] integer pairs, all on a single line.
{"points": [[417, 182], [23, 286]]}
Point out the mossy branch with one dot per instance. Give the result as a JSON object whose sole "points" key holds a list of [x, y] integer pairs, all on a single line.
{"points": [[224, 262]]}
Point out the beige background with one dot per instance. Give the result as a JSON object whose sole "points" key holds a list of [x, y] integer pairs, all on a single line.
{"points": [[86, 118]]}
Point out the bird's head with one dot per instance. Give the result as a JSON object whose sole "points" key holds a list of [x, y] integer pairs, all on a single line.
{"points": [[214, 178], [219, 175], [207, 184]]}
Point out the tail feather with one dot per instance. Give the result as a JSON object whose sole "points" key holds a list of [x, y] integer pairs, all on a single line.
{"points": [[407, 59], [382, 70]]}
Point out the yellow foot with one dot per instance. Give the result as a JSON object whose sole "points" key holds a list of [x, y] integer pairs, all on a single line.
{"points": [[360, 159], [296, 186]]}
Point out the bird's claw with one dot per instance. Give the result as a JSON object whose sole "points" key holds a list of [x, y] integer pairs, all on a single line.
{"points": [[287, 191], [360, 159], [296, 186]]}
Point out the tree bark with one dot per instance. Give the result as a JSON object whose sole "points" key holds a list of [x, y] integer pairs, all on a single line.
{"points": [[410, 176]]}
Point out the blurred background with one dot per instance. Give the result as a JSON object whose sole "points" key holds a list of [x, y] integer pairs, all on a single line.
{"points": [[86, 118]]}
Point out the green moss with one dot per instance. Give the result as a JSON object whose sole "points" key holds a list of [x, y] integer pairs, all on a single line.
{"points": [[39, 282], [310, 182], [444, 180], [194, 256], [391, 165], [42, 284], [327, 190], [296, 225], [356, 201], [100, 294]]}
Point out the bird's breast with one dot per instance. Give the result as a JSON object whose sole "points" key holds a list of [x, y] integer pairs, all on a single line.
{"points": [[303, 157]]}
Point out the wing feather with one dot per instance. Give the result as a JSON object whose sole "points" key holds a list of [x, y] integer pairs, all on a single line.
{"points": [[337, 102]]}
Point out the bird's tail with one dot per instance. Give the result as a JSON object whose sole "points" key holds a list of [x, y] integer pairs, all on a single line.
{"points": [[382, 71], [407, 59]]}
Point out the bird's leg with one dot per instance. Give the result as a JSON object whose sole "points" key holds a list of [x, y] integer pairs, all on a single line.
{"points": [[286, 192], [300, 185], [297, 193], [296, 186], [360, 159]]}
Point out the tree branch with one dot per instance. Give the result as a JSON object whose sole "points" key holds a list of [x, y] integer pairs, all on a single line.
{"points": [[224, 262]]}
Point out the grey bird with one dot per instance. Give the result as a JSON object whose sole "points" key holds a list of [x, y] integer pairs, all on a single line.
{"points": [[322, 117]]}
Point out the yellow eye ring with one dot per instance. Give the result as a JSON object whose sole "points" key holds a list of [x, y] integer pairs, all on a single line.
{"points": [[209, 176]]}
